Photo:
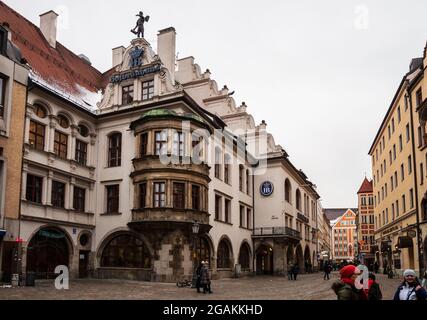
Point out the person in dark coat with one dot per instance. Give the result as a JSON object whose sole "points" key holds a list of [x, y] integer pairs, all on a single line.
{"points": [[327, 269], [374, 291], [295, 271], [376, 267], [199, 274], [205, 280], [345, 288], [410, 289]]}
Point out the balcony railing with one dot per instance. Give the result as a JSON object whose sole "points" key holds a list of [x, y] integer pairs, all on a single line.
{"points": [[303, 218], [277, 231]]}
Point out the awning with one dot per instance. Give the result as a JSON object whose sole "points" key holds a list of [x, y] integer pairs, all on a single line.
{"points": [[405, 242]]}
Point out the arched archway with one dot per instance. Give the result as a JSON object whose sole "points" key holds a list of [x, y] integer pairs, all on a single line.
{"points": [[307, 259], [245, 256], [203, 250], [48, 248], [264, 259], [290, 255], [224, 256], [299, 257]]}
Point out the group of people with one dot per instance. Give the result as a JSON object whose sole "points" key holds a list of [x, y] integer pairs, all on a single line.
{"points": [[203, 278], [409, 289]]}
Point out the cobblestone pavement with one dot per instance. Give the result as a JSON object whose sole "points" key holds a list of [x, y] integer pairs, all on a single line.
{"points": [[307, 287]]}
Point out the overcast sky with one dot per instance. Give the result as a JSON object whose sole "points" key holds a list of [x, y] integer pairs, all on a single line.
{"points": [[322, 74]]}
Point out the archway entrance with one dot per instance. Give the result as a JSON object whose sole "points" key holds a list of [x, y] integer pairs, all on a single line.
{"points": [[264, 260], [47, 249], [290, 255], [307, 260], [300, 258]]}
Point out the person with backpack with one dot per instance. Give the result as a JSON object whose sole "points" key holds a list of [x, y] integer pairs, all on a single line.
{"points": [[410, 289], [345, 287], [327, 270]]}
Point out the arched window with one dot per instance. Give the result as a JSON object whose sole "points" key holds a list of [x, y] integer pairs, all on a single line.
{"points": [[115, 150], [288, 191], [63, 122], [244, 256], [83, 130], [298, 199], [223, 256], [40, 111], [126, 251]]}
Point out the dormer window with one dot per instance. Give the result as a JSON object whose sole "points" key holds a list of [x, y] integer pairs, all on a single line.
{"points": [[127, 94], [147, 90]]}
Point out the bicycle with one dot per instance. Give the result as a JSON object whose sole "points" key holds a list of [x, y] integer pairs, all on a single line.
{"points": [[184, 284]]}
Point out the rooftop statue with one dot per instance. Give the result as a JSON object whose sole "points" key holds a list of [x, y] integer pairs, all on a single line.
{"points": [[139, 29]]}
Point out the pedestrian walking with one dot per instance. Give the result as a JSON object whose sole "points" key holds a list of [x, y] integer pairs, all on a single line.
{"points": [[290, 275], [327, 270], [345, 288], [374, 291], [376, 267], [410, 289], [198, 276], [205, 280], [295, 271]]}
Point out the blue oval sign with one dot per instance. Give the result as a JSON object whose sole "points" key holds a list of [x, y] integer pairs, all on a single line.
{"points": [[267, 189]]}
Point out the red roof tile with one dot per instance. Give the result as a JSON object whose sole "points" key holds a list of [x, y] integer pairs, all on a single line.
{"points": [[57, 66], [367, 187]]}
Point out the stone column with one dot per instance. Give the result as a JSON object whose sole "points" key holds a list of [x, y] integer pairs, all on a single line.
{"points": [[70, 201], [90, 201], [28, 114], [51, 134], [91, 151], [24, 182], [49, 188], [72, 145]]}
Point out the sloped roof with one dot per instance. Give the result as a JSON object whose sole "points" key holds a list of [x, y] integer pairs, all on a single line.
{"points": [[334, 214], [366, 187], [58, 68]]}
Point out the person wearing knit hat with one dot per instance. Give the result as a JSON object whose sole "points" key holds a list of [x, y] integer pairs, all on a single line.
{"points": [[345, 288], [410, 289]]}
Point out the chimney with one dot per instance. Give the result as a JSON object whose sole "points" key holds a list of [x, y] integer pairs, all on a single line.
{"points": [[48, 22], [118, 55], [166, 39]]}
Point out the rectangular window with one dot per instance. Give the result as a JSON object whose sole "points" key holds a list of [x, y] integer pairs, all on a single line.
{"points": [[408, 136], [218, 207], [115, 150], [81, 152], [400, 143], [34, 188], [402, 172], [61, 145], [390, 157], [421, 174], [409, 164], [113, 198], [217, 163], [58, 194], [2, 95], [195, 197], [127, 94], [248, 183], [144, 144], [392, 212], [411, 198], [249, 218], [397, 209], [143, 195], [391, 183], [403, 204], [161, 142], [242, 217], [392, 125], [147, 90], [241, 173], [394, 152], [179, 195], [389, 132], [399, 115], [178, 144], [79, 199], [226, 172], [37, 133], [396, 183], [159, 195], [227, 211], [419, 97]]}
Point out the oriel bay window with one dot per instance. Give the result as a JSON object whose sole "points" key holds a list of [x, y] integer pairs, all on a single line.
{"points": [[143, 195], [115, 150], [58, 194], [161, 142], [127, 94], [37, 134], [159, 195], [81, 152], [195, 197], [113, 199], [178, 144], [79, 199], [179, 195], [61, 144], [34, 188], [144, 144]]}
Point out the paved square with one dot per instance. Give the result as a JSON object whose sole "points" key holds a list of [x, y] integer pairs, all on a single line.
{"points": [[307, 287]]}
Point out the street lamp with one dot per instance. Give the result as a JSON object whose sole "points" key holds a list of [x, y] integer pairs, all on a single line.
{"points": [[195, 228]]}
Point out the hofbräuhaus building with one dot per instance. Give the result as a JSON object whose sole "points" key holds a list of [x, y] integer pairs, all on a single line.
{"points": [[144, 170]]}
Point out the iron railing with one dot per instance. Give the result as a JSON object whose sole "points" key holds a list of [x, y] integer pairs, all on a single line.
{"points": [[277, 231]]}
